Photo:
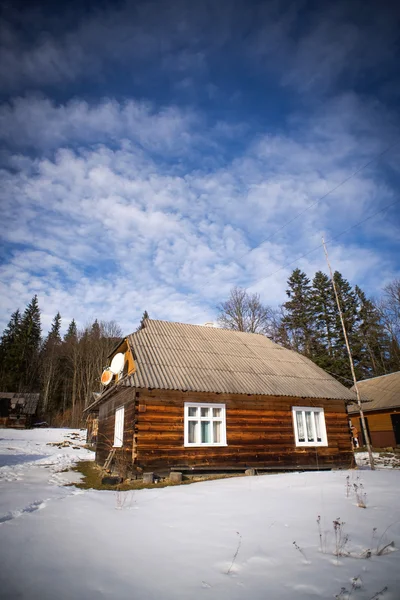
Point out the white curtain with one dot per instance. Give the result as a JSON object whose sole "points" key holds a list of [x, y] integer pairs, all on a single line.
{"points": [[300, 426], [310, 433]]}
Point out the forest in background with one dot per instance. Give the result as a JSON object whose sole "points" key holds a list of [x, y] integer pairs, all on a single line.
{"points": [[66, 369], [309, 323]]}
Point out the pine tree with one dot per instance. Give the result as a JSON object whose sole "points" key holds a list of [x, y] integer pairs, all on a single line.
{"points": [[50, 359], [54, 335], [95, 331], [375, 343], [70, 372], [349, 306], [9, 356], [142, 324], [323, 316], [11, 331], [72, 332], [28, 344], [298, 318]]}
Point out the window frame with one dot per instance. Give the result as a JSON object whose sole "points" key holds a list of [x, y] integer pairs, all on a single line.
{"points": [[199, 419], [306, 443], [119, 423]]}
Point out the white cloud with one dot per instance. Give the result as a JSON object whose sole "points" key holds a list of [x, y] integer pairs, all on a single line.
{"points": [[108, 231], [37, 122]]}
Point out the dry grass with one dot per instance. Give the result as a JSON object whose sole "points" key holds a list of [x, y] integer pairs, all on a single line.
{"points": [[93, 475]]}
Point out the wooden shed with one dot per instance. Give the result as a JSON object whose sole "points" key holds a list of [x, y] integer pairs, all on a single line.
{"points": [[381, 405], [195, 397], [18, 410]]}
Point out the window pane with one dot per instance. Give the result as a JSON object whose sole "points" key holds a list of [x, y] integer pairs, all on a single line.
{"points": [[317, 417], [310, 435], [205, 432], [193, 425], [217, 431], [192, 412], [205, 412], [300, 427], [216, 412]]}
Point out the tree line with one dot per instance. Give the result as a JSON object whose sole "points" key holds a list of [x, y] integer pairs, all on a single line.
{"points": [[65, 370], [309, 323]]}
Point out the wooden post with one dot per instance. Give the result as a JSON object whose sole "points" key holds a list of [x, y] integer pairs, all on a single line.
{"points": [[148, 477], [363, 424], [175, 477], [250, 472]]}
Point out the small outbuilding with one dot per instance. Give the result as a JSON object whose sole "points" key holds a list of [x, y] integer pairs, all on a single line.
{"points": [[18, 410], [204, 398], [92, 423], [381, 406]]}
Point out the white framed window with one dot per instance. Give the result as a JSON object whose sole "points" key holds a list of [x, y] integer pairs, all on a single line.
{"points": [[119, 427], [205, 424], [309, 426]]}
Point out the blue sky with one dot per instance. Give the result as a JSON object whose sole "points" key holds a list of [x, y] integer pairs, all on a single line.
{"points": [[153, 153]]}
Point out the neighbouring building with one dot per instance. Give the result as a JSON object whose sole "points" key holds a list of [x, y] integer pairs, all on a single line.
{"points": [[381, 406], [92, 423], [195, 397], [18, 410]]}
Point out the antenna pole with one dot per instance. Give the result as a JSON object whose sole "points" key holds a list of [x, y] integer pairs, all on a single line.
{"points": [[363, 424]]}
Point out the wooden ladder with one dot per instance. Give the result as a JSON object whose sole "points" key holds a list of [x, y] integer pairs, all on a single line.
{"points": [[109, 459]]}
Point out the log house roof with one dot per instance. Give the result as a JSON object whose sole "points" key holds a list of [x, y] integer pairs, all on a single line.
{"points": [[176, 356], [379, 393]]}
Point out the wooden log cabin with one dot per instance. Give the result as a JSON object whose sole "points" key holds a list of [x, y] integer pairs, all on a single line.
{"points": [[381, 406], [18, 410], [197, 397]]}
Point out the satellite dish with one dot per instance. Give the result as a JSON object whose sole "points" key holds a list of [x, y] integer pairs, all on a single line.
{"points": [[117, 363], [106, 376]]}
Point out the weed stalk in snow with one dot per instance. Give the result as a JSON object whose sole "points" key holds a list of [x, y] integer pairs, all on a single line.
{"points": [[381, 549], [343, 594], [373, 535], [346, 594], [123, 499], [300, 550], [341, 538], [361, 496], [348, 486], [236, 553], [379, 595], [320, 533], [385, 549]]}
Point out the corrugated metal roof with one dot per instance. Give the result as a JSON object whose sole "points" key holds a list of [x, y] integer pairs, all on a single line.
{"points": [[176, 356], [28, 402], [379, 393]]}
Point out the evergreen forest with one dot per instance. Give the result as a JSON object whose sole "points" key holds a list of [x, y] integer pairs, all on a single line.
{"points": [[66, 369]]}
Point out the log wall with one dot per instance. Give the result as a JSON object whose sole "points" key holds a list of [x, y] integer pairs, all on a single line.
{"points": [[105, 436], [259, 432], [92, 427]]}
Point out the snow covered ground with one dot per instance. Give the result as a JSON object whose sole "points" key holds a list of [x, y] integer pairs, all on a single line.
{"points": [[383, 460], [251, 537], [31, 467]]}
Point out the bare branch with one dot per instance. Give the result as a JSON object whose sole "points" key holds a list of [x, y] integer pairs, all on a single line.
{"points": [[245, 312]]}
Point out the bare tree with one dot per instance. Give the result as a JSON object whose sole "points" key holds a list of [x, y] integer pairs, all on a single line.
{"points": [[85, 355], [245, 312], [95, 343], [391, 305], [389, 309]]}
